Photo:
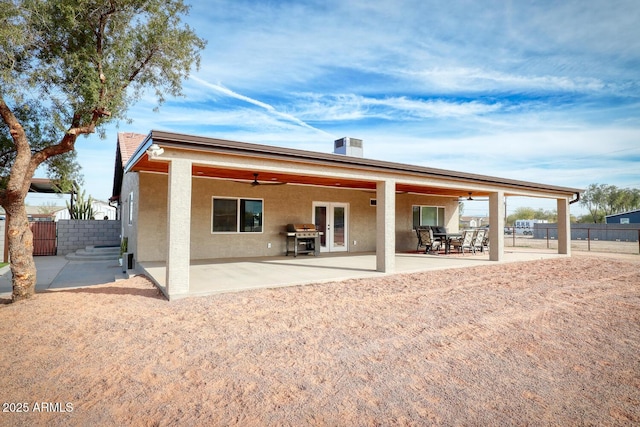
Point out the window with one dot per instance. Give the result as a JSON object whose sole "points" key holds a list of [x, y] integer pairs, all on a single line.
{"points": [[131, 208], [225, 214], [428, 215], [236, 215], [251, 216]]}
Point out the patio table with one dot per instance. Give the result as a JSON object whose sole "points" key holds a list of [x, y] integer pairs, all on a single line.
{"points": [[447, 238]]}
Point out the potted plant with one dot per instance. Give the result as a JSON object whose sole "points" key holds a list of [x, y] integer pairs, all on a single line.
{"points": [[124, 244]]}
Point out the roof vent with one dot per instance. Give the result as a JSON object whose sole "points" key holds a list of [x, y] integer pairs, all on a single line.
{"points": [[348, 146]]}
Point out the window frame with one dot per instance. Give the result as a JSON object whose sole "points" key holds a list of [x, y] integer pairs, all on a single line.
{"points": [[440, 221], [239, 213], [130, 219]]}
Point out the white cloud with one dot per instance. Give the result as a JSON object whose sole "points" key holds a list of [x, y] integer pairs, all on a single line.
{"points": [[544, 91], [352, 107], [478, 80]]}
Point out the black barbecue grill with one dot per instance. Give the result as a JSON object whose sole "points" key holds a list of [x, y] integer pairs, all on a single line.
{"points": [[305, 239]]}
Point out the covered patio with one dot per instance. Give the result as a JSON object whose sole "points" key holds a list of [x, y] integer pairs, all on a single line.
{"points": [[190, 201], [213, 276]]}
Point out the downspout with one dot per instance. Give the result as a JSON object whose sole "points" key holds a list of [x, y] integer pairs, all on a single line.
{"points": [[577, 199], [114, 202]]}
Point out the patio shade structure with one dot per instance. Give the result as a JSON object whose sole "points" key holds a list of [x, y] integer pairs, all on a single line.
{"points": [[185, 159]]}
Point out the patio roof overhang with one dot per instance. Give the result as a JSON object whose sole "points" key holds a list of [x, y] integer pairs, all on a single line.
{"points": [[239, 161], [183, 157]]}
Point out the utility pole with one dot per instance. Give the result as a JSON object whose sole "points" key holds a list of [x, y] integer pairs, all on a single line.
{"points": [[505, 211]]}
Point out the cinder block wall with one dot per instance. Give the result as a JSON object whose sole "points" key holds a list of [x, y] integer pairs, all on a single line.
{"points": [[77, 234]]}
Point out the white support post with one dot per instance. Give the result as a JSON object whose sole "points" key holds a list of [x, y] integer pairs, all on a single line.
{"points": [[178, 227], [564, 227], [386, 226], [496, 226]]}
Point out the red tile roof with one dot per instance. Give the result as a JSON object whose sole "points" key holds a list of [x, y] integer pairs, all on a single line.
{"points": [[128, 143]]}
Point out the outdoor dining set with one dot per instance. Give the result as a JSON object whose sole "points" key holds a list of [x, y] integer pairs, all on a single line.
{"points": [[435, 238]]}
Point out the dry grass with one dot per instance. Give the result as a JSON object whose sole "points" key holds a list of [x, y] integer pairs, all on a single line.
{"points": [[535, 343]]}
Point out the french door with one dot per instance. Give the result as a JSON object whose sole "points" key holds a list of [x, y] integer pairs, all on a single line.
{"points": [[332, 219]]}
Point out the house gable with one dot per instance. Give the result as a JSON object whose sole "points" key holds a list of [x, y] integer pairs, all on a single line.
{"points": [[127, 144]]}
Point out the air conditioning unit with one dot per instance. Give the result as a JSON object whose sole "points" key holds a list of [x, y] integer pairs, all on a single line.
{"points": [[348, 147]]}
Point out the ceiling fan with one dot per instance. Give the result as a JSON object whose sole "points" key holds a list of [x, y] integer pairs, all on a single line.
{"points": [[255, 182], [471, 198], [464, 199]]}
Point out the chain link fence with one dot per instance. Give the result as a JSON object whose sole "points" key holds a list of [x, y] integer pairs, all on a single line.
{"points": [[592, 237]]}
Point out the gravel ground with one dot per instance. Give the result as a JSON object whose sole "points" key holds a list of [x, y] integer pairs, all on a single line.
{"points": [[550, 342], [595, 246]]}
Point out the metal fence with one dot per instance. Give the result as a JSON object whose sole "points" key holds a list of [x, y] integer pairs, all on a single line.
{"points": [[584, 238]]}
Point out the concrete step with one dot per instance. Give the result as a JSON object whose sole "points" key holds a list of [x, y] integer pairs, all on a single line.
{"points": [[76, 257], [102, 249], [92, 253]]}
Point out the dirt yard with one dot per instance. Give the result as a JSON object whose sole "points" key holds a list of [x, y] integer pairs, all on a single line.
{"points": [[597, 246], [554, 342]]}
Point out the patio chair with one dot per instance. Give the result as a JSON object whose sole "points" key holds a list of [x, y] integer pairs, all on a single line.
{"points": [[439, 229], [485, 243], [419, 234], [439, 233], [466, 241], [426, 240], [478, 238]]}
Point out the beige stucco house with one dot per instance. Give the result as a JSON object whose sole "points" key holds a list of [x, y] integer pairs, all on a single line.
{"points": [[185, 198]]}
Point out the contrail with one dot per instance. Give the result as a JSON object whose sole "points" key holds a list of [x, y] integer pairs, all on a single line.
{"points": [[261, 104]]}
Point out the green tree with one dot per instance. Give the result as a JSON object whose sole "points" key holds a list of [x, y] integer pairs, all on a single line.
{"points": [[64, 169], [625, 199], [521, 213], [602, 200], [531, 213], [585, 219], [593, 199], [551, 216], [76, 65]]}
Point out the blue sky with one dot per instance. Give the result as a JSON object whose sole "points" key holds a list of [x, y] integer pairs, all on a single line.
{"points": [[542, 91]]}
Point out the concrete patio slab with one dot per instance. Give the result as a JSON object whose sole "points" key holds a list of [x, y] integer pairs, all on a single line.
{"points": [[56, 272], [48, 267], [238, 274], [213, 276]]}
